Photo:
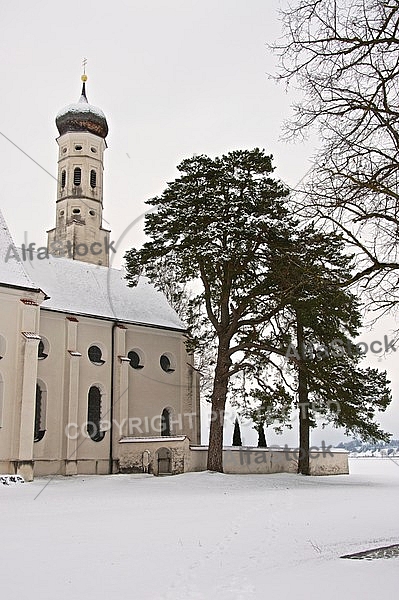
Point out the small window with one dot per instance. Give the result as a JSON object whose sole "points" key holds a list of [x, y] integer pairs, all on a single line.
{"points": [[39, 428], [78, 147], [94, 150], [166, 364], [62, 213], [94, 414], [64, 151], [93, 178], [63, 179], [77, 176], [92, 213], [136, 361], [95, 355], [76, 211], [43, 349]]}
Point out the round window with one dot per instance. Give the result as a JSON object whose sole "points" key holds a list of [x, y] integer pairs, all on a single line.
{"points": [[92, 213], [95, 355], [94, 150], [166, 364], [136, 361]]}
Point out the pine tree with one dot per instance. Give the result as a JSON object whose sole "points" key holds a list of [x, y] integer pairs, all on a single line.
{"points": [[317, 323], [220, 221], [261, 435]]}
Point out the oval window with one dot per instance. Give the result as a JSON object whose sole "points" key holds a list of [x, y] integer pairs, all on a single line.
{"points": [[78, 147], [95, 355], [166, 364], [136, 361]]}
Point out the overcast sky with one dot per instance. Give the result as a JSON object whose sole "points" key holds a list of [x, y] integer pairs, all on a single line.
{"points": [[173, 77]]}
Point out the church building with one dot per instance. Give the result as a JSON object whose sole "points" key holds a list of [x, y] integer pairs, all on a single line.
{"points": [[95, 377]]}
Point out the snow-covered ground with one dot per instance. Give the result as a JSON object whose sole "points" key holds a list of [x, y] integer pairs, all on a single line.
{"points": [[201, 536]]}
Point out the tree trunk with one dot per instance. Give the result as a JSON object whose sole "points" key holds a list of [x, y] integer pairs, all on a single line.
{"points": [[219, 394], [304, 423]]}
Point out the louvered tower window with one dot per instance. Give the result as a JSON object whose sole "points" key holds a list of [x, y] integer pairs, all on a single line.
{"points": [[93, 178], [77, 176]]}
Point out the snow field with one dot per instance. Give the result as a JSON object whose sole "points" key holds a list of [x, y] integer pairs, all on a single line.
{"points": [[201, 536]]}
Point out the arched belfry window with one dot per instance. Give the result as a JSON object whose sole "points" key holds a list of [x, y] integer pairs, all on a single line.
{"points": [[165, 422], [77, 176], [93, 178], [63, 179], [94, 414], [40, 414]]}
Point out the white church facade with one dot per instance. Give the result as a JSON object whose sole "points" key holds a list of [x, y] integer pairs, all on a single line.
{"points": [[95, 377]]}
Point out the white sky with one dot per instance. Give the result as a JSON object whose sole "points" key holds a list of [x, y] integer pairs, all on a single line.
{"points": [[174, 78]]}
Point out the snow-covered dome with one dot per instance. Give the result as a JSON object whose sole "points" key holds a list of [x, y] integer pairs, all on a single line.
{"points": [[82, 116]]}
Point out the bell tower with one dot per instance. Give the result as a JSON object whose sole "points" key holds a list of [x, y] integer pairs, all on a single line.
{"points": [[78, 232]]}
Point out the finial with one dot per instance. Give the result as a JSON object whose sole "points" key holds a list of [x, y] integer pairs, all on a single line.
{"points": [[83, 97], [84, 76]]}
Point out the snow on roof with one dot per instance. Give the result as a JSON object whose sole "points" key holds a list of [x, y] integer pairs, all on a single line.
{"points": [[81, 107], [12, 271], [82, 288]]}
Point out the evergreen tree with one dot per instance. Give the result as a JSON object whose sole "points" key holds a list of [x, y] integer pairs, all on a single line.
{"points": [[237, 434], [220, 222], [323, 371], [261, 435]]}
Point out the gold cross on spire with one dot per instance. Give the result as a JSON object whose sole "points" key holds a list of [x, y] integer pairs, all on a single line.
{"points": [[84, 63]]}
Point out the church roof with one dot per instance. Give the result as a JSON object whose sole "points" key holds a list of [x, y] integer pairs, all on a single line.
{"points": [[82, 116], [81, 288], [12, 272]]}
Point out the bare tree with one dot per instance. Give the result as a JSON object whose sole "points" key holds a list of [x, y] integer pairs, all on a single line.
{"points": [[344, 56]]}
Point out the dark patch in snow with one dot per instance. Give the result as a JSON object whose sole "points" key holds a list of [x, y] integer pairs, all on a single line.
{"points": [[382, 552]]}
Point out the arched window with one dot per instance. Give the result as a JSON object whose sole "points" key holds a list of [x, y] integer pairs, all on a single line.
{"points": [[77, 176], [165, 422], [94, 414], [93, 178], [43, 349], [40, 414], [63, 179]]}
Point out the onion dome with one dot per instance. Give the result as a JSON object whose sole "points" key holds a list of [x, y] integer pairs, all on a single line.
{"points": [[82, 116]]}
